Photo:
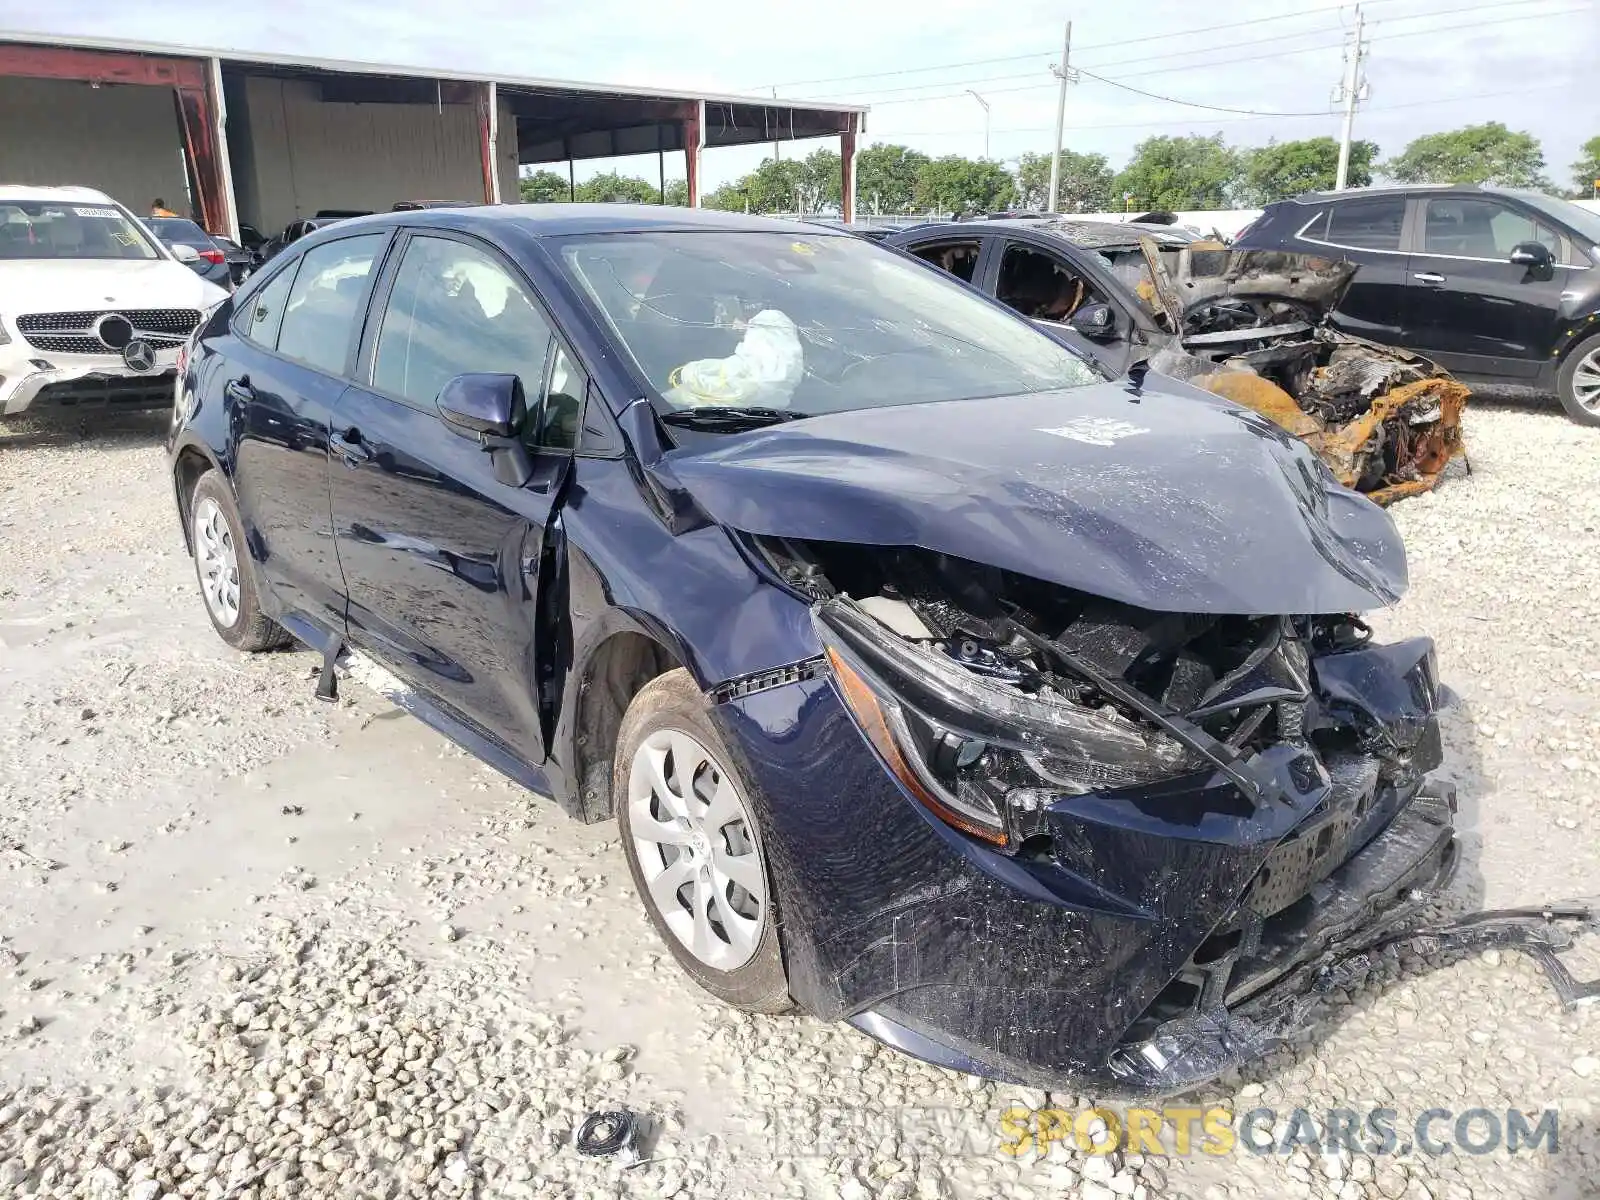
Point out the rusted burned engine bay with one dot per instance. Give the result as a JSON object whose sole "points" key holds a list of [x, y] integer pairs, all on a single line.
{"points": [[1253, 329], [1027, 714]]}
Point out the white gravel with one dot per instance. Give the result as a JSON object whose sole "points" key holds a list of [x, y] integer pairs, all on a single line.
{"points": [[254, 946]]}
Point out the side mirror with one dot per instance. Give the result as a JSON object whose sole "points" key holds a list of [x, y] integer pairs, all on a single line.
{"points": [[1535, 256], [474, 405], [1096, 322], [491, 410], [184, 254]]}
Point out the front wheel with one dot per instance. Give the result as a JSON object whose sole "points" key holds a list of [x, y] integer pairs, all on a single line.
{"points": [[1578, 384], [694, 847], [222, 565]]}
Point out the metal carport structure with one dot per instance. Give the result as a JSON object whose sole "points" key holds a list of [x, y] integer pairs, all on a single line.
{"points": [[270, 137]]}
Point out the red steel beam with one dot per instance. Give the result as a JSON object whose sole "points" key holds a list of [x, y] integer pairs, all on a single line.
{"points": [[100, 66]]}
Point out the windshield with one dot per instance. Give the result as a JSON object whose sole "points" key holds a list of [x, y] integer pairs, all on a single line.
{"points": [[52, 229], [807, 323], [1580, 220]]}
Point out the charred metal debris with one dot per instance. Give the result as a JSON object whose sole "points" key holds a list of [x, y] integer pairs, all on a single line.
{"points": [[1014, 709], [1253, 329]]}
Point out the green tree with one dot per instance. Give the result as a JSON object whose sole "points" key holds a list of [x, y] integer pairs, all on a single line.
{"points": [[886, 177], [776, 186], [1488, 153], [612, 188], [1586, 171], [1280, 170], [677, 193], [730, 197], [824, 181], [1179, 173], [1085, 184], [957, 184], [544, 187]]}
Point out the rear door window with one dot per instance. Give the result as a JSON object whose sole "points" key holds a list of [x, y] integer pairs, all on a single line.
{"points": [[1367, 224], [324, 308], [958, 258]]}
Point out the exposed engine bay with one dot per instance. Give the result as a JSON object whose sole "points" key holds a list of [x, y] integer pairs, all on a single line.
{"points": [[1007, 705], [1252, 328]]}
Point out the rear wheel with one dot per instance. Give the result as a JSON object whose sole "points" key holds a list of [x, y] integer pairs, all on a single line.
{"points": [[694, 847], [222, 565], [1578, 384]]}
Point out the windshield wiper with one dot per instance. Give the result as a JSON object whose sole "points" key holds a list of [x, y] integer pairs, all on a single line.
{"points": [[718, 418]]}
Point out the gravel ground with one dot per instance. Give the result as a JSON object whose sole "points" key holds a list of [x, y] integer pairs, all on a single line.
{"points": [[255, 946]]}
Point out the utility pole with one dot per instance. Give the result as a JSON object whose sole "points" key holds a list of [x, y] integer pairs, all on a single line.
{"points": [[985, 104], [1064, 74], [1352, 90]]}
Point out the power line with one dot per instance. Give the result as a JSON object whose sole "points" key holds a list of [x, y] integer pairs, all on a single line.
{"points": [[1379, 108], [1194, 103], [1231, 60], [1155, 37]]}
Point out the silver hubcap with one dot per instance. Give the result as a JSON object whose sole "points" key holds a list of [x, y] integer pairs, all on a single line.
{"points": [[696, 848], [1586, 381], [218, 561]]}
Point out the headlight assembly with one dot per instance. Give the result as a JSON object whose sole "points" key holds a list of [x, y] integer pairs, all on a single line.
{"points": [[977, 751]]}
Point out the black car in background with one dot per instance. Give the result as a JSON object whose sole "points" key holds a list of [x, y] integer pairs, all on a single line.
{"points": [[211, 259], [292, 233], [1498, 285]]}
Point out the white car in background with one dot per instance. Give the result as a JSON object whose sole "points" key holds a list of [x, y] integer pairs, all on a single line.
{"points": [[93, 308]]}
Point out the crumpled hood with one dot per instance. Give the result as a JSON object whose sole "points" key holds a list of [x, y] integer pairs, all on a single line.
{"points": [[1171, 500], [1204, 271]]}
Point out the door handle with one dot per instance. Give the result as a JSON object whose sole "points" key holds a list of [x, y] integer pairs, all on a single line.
{"points": [[349, 446], [1428, 277], [239, 390]]}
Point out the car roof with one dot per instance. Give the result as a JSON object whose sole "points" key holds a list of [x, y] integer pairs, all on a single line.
{"points": [[1083, 234], [555, 220], [20, 191], [1391, 189]]}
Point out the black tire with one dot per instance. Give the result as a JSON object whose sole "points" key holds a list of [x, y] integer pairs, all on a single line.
{"points": [[1566, 380], [672, 703], [250, 630]]}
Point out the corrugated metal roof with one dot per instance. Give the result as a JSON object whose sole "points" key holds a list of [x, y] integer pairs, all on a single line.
{"points": [[358, 67]]}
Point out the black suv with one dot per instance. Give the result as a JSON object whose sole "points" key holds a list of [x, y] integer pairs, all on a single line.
{"points": [[1499, 286]]}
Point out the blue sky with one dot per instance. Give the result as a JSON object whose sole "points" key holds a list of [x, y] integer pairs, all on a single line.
{"points": [[1434, 64]]}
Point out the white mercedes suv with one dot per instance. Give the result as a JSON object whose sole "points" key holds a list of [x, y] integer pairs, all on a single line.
{"points": [[93, 308]]}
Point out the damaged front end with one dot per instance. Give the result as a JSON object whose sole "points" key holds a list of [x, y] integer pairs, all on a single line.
{"points": [[1196, 806], [1253, 329]]}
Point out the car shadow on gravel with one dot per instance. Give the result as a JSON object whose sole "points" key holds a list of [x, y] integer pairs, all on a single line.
{"points": [[94, 430]]}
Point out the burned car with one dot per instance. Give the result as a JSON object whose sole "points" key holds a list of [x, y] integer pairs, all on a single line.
{"points": [[1021, 716], [1251, 325]]}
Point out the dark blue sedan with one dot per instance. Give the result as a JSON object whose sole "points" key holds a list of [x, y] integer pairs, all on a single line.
{"points": [[1018, 715]]}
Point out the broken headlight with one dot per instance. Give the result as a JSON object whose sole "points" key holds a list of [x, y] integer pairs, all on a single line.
{"points": [[979, 752]]}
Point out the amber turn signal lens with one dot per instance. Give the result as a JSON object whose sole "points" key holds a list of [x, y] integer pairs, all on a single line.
{"points": [[869, 714]]}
